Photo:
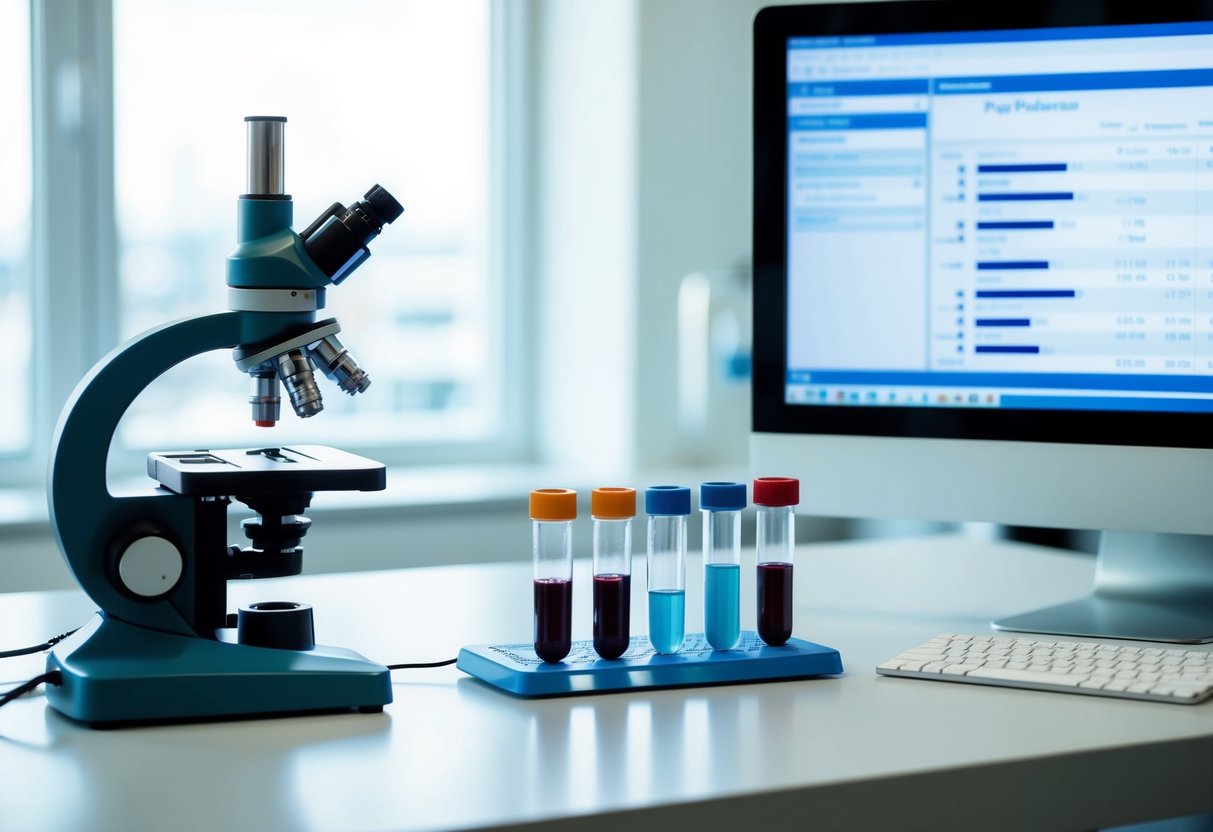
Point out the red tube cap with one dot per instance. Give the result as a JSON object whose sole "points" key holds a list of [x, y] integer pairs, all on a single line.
{"points": [[776, 491]]}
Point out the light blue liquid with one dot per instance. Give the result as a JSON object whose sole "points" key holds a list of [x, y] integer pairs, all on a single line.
{"points": [[722, 605], [667, 614]]}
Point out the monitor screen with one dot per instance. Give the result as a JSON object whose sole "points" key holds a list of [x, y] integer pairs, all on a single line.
{"points": [[1013, 222], [1019, 216]]}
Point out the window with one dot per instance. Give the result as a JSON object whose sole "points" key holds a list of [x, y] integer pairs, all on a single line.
{"points": [[378, 91], [16, 316], [403, 93]]}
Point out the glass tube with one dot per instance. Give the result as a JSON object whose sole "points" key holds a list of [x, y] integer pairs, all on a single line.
{"points": [[721, 503], [668, 507], [775, 500], [552, 514], [612, 510]]}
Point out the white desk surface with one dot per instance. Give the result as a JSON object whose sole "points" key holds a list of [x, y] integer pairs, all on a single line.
{"points": [[854, 752]]}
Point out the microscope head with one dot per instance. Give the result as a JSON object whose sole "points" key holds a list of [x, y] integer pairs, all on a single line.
{"points": [[275, 270]]}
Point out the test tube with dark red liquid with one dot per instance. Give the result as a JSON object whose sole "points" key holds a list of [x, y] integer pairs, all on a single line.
{"points": [[775, 499], [553, 511], [612, 510]]}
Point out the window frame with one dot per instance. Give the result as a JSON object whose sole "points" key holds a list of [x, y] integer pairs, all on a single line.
{"points": [[72, 80]]}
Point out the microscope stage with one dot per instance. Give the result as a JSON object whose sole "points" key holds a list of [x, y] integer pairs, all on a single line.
{"points": [[207, 473]]}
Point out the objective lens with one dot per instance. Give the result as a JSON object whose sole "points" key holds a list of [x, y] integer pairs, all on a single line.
{"points": [[334, 360], [265, 399], [295, 370]]}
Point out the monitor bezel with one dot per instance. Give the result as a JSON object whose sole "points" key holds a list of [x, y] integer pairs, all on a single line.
{"points": [[770, 411]]}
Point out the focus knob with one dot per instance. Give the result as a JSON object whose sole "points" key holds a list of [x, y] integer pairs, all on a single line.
{"points": [[148, 564]]}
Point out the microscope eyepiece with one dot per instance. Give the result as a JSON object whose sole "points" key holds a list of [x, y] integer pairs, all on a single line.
{"points": [[337, 240], [380, 202]]}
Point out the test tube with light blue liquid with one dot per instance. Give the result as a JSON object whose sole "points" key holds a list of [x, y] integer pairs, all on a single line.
{"points": [[668, 507], [721, 504]]}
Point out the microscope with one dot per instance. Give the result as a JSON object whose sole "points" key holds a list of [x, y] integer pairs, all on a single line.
{"points": [[163, 646]]}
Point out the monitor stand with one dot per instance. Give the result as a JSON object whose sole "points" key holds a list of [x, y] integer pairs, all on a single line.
{"points": [[1151, 587]]}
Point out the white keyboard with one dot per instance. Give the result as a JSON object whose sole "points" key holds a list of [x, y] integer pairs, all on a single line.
{"points": [[1156, 674]]}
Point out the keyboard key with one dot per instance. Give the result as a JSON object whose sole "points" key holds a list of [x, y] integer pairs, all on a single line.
{"points": [[1008, 675], [960, 669], [920, 656]]}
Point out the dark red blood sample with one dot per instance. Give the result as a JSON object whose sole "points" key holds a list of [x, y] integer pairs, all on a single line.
{"points": [[612, 614], [775, 602], [553, 618]]}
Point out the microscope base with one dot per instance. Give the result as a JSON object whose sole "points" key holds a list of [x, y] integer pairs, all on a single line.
{"points": [[118, 673]]}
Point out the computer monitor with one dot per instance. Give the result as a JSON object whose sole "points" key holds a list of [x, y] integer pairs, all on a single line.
{"points": [[983, 280]]}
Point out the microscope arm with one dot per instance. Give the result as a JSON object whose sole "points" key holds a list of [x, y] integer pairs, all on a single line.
{"points": [[91, 525]]}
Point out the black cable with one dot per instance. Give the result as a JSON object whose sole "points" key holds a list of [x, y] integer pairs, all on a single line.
{"points": [[51, 677], [37, 648], [421, 664], [49, 643]]}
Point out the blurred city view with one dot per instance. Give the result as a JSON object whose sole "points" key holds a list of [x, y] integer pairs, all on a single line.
{"points": [[382, 91]]}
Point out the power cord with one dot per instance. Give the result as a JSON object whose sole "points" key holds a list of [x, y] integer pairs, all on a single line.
{"points": [[51, 677], [421, 664], [37, 648]]}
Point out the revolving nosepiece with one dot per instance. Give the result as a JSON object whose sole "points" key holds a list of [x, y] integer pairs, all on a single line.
{"points": [[335, 361], [295, 370], [266, 401]]}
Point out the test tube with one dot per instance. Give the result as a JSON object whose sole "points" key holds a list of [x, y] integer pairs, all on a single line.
{"points": [[668, 507], [721, 503], [775, 499], [612, 510], [553, 511]]}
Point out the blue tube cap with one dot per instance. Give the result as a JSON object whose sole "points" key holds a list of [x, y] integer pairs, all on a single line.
{"points": [[667, 500], [722, 496]]}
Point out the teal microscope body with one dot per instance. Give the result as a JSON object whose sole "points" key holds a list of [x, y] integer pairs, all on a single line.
{"points": [[163, 645]]}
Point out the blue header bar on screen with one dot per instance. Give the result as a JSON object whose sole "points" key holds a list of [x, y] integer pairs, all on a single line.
{"points": [[1141, 79], [894, 86], [1145, 30], [864, 121]]}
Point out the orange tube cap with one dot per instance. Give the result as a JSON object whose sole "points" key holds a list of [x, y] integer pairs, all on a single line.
{"points": [[553, 504], [613, 503]]}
